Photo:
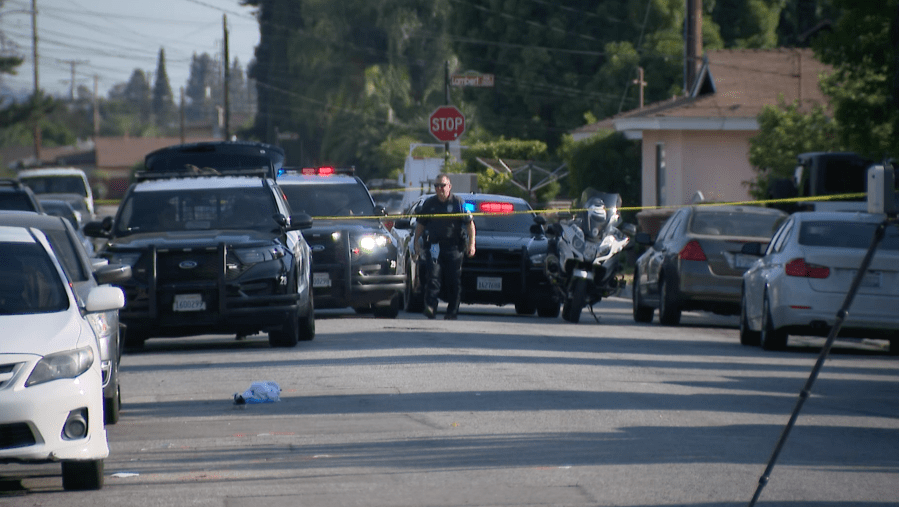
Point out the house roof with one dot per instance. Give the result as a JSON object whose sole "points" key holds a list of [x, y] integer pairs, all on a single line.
{"points": [[124, 152], [732, 88]]}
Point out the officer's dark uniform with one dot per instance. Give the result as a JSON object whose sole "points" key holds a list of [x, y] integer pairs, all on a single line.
{"points": [[449, 235]]}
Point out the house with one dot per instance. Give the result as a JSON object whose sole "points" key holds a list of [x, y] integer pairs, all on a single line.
{"points": [[697, 146]]}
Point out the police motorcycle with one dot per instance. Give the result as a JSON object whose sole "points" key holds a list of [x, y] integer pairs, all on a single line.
{"points": [[583, 261]]}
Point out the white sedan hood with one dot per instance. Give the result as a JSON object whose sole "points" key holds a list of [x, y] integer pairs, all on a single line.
{"points": [[43, 333]]}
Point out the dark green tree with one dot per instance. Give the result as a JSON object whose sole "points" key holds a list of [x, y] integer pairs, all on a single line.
{"points": [[163, 104]]}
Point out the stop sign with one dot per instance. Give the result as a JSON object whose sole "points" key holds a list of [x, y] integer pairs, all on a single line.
{"points": [[446, 123]]}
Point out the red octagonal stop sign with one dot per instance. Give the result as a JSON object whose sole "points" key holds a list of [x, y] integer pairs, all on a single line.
{"points": [[446, 123]]}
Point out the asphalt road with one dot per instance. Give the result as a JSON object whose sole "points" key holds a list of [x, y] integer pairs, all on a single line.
{"points": [[494, 409]]}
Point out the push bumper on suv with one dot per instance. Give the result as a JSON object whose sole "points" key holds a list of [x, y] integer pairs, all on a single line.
{"points": [[216, 297], [502, 276]]}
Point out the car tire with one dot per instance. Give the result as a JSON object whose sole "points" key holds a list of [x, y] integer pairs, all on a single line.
{"points": [[747, 335], [82, 475], [525, 308], [548, 308], [414, 301], [134, 339], [289, 334], [642, 313], [111, 407], [388, 311], [669, 310], [307, 323], [770, 338], [575, 304]]}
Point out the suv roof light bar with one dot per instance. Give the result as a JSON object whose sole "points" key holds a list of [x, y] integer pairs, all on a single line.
{"points": [[149, 175], [326, 170]]}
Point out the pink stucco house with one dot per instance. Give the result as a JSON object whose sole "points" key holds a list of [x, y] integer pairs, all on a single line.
{"points": [[699, 143]]}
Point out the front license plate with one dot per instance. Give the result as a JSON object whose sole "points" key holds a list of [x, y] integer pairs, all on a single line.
{"points": [[321, 280], [189, 303], [490, 283]]}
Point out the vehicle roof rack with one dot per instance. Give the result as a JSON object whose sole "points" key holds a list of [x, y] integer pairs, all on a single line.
{"points": [[205, 172]]}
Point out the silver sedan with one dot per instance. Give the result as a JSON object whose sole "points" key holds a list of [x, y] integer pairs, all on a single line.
{"points": [[801, 281]]}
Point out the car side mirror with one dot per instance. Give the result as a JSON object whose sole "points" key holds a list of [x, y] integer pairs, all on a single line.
{"points": [[98, 228], [629, 229], [402, 223], [112, 274], [753, 248], [380, 211], [539, 219], [300, 221], [643, 238]]}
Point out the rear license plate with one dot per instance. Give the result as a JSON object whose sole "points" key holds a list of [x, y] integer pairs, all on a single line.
{"points": [[871, 278], [490, 283], [321, 280], [189, 303]]}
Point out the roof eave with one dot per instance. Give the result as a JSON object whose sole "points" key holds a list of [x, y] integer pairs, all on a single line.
{"points": [[630, 125]]}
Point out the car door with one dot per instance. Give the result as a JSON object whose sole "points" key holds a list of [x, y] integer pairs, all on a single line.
{"points": [[760, 274], [659, 251]]}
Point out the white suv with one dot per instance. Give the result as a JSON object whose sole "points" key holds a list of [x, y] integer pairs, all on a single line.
{"points": [[60, 182]]}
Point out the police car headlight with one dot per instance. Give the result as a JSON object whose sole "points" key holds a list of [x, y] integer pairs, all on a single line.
{"points": [[371, 242], [68, 364]]}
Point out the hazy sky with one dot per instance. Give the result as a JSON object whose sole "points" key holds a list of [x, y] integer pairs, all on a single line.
{"points": [[111, 38]]}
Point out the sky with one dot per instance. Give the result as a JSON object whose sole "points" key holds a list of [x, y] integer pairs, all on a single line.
{"points": [[111, 38]]}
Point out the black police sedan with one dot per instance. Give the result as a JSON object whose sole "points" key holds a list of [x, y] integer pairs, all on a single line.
{"points": [[508, 266]]}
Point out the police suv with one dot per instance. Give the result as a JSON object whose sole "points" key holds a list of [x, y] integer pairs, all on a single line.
{"points": [[354, 257], [213, 247]]}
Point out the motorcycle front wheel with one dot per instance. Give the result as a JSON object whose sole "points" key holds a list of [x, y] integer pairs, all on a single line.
{"points": [[574, 303]]}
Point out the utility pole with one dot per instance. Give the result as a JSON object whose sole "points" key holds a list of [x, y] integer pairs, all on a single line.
{"points": [[446, 86], [641, 83], [37, 87], [73, 63], [227, 80], [96, 108], [182, 115]]}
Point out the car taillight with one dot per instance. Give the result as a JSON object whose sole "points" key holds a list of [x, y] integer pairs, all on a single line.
{"points": [[798, 267], [692, 252], [496, 207]]}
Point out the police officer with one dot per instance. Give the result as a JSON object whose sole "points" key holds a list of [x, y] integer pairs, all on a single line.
{"points": [[444, 244]]}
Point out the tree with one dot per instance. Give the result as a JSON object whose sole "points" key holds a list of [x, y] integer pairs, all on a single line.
{"points": [[784, 132], [198, 90], [862, 47], [163, 105], [608, 162]]}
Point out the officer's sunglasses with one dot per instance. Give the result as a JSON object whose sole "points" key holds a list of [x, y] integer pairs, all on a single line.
{"points": [[439, 185]]}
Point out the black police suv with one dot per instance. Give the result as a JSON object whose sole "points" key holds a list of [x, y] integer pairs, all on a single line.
{"points": [[510, 253], [354, 257], [213, 250]]}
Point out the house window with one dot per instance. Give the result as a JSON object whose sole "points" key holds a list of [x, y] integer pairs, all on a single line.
{"points": [[660, 174]]}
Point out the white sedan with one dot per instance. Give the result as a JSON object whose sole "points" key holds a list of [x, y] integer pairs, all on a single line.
{"points": [[801, 281], [51, 382]]}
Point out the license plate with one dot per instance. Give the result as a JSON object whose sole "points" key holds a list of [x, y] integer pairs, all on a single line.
{"points": [[321, 280], [871, 278], [189, 303], [490, 283]]}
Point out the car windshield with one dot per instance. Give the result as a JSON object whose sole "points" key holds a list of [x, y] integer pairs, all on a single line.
{"points": [[519, 221], [29, 282], [329, 200], [846, 235], [56, 185], [197, 209], [735, 223]]}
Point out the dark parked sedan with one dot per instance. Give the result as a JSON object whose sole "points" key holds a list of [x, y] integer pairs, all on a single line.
{"points": [[695, 263]]}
